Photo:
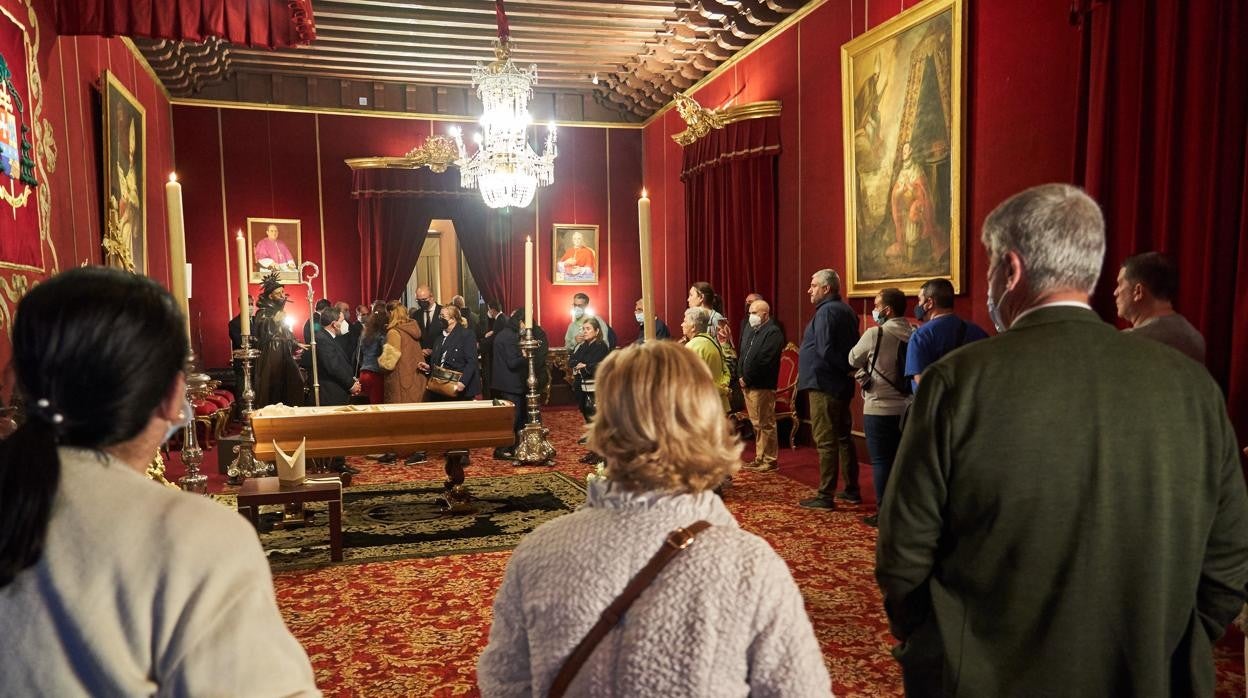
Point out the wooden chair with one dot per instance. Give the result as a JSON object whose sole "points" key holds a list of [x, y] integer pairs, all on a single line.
{"points": [[786, 392]]}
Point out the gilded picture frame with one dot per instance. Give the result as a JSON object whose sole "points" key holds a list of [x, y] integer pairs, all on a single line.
{"points": [[125, 173], [282, 251], [574, 249], [902, 105]]}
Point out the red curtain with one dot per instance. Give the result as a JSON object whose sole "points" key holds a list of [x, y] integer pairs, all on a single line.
{"points": [[488, 251], [261, 23], [730, 208], [1165, 118], [395, 208]]}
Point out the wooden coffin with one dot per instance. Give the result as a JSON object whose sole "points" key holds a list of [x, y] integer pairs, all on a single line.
{"points": [[433, 427]]}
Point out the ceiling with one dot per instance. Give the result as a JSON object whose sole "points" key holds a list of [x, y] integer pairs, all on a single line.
{"points": [[408, 56]]}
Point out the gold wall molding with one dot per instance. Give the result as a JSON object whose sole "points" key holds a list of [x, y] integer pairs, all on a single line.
{"points": [[377, 113], [701, 121]]}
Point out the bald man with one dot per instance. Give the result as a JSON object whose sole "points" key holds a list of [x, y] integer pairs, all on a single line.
{"points": [[759, 368], [429, 317]]}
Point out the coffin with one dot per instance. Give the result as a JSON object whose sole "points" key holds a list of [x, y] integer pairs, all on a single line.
{"points": [[352, 430]]}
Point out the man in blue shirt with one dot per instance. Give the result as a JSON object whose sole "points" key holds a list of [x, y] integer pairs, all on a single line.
{"points": [[942, 332], [823, 372]]}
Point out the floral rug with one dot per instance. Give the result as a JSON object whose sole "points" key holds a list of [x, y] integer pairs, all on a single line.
{"points": [[401, 520]]}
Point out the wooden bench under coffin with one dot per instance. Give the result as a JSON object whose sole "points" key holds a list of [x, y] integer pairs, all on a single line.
{"points": [[449, 428]]}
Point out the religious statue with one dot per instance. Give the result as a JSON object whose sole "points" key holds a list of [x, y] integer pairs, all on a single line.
{"points": [[277, 374]]}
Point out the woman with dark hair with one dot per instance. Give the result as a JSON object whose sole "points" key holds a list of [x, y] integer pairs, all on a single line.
{"points": [[371, 342], [590, 350], [109, 584], [456, 350], [702, 295]]}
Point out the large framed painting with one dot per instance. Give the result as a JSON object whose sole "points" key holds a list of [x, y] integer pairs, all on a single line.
{"points": [[576, 255], [902, 109], [125, 191], [274, 243]]}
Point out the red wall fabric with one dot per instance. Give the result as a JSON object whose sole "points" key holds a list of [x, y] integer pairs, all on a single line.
{"points": [[285, 164], [70, 69], [262, 23]]}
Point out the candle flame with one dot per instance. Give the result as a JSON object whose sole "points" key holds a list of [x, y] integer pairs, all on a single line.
{"points": [[643, 192], [173, 176]]}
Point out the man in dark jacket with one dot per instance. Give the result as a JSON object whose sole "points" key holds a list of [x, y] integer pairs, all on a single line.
{"points": [[509, 373], [823, 372], [759, 368], [334, 373], [1066, 515]]}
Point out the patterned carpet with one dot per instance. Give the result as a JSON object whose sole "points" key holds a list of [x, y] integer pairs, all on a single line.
{"points": [[415, 627], [397, 520]]}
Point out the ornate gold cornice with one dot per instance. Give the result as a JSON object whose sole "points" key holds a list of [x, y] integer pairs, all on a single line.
{"points": [[702, 121], [437, 153]]}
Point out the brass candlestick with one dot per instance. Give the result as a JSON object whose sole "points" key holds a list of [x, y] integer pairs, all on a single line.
{"points": [[245, 464], [534, 447], [192, 455]]}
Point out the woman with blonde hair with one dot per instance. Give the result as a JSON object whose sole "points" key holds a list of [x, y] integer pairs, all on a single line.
{"points": [[724, 618], [401, 356]]}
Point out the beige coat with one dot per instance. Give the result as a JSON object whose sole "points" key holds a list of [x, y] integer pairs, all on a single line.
{"points": [[399, 357]]}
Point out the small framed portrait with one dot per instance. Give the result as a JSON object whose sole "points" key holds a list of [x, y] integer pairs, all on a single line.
{"points": [[274, 244], [576, 255]]}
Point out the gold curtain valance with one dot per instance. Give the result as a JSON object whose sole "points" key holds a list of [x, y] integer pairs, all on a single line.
{"points": [[702, 121], [437, 153]]}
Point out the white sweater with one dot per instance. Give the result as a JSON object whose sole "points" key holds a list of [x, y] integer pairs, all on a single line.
{"points": [[143, 590], [723, 619]]}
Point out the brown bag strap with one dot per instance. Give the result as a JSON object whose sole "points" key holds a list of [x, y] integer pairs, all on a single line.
{"points": [[676, 541]]}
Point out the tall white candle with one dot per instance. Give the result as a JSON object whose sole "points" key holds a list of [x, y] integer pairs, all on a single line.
{"points": [[647, 279], [241, 245], [528, 281], [177, 248]]}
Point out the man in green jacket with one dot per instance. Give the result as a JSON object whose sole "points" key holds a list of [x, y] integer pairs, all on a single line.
{"points": [[1067, 514]]}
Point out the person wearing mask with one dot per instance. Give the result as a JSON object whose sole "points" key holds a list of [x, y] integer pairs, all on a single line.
{"points": [[1144, 297], [401, 358], [661, 330], [349, 340], [759, 367], [1054, 524], [334, 372], [941, 332], [879, 357], [698, 339], [581, 311], [667, 446], [109, 584], [823, 373], [428, 316], [469, 320], [590, 351], [745, 318], [313, 321], [372, 380], [509, 376], [456, 350]]}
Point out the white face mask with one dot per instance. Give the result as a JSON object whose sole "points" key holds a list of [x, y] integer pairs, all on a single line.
{"points": [[185, 416], [878, 317], [342, 327], [755, 320], [578, 312], [640, 317]]}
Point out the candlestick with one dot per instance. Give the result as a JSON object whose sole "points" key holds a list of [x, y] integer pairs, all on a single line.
{"points": [[241, 246], [534, 447], [647, 278], [528, 281], [245, 464], [177, 248]]}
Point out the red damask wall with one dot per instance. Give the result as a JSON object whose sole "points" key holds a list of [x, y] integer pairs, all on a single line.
{"points": [[69, 69], [1020, 121], [241, 163]]}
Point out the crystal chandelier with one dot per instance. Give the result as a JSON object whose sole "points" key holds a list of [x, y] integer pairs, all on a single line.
{"points": [[504, 167]]}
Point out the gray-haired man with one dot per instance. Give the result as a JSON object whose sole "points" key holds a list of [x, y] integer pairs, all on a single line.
{"points": [[1066, 514]]}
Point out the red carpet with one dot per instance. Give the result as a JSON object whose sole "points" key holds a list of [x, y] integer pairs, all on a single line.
{"points": [[416, 627]]}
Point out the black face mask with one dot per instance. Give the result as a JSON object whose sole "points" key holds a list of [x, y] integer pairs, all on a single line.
{"points": [[424, 305]]}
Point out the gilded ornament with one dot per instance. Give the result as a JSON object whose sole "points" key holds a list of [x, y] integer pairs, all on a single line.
{"points": [[701, 121]]}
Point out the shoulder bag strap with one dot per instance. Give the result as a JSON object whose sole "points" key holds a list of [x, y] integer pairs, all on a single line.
{"points": [[875, 352], [874, 362], [676, 541]]}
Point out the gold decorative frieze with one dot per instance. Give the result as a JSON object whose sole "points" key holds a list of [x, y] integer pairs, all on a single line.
{"points": [[701, 121], [437, 153]]}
